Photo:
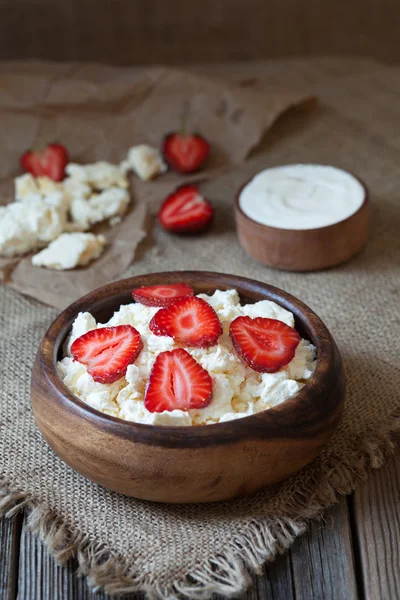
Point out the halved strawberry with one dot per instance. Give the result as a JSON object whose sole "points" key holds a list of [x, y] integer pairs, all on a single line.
{"points": [[177, 381], [50, 161], [189, 321], [185, 211], [266, 345], [185, 153], [107, 351], [161, 295]]}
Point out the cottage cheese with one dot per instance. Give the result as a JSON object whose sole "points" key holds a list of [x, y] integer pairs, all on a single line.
{"points": [[88, 207], [145, 161], [44, 209], [27, 185], [238, 391], [70, 250], [99, 176], [30, 224], [108, 204], [34, 189], [75, 188]]}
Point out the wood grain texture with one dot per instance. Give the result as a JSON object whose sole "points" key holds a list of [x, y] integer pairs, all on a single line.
{"points": [[9, 551], [159, 463], [303, 250], [276, 583], [322, 560], [377, 520], [137, 32]]}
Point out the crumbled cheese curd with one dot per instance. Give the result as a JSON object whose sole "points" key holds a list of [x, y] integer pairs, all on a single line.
{"points": [[70, 250], [44, 209], [107, 204], [27, 185], [238, 391], [99, 176], [145, 161], [94, 193], [29, 224]]}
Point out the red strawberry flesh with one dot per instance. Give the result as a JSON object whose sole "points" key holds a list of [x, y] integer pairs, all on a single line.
{"points": [[177, 381], [185, 153], [189, 321], [161, 295], [107, 351], [185, 211], [50, 162], [266, 345]]}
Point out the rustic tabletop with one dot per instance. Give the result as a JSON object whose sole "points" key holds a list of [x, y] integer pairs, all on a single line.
{"points": [[354, 553]]}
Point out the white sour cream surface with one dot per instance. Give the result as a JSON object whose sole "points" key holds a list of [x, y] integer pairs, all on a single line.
{"points": [[301, 196]]}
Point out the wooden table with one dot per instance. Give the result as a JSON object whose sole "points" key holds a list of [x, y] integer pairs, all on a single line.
{"points": [[353, 554]]}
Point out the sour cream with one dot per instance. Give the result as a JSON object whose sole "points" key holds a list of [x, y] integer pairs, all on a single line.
{"points": [[301, 196]]}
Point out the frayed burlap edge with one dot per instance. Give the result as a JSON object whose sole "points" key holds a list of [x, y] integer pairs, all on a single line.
{"points": [[228, 572]]}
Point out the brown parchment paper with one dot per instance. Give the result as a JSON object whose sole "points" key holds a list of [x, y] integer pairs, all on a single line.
{"points": [[99, 112]]}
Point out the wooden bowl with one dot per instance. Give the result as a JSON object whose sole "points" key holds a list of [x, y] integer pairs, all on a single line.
{"points": [[304, 249], [198, 463]]}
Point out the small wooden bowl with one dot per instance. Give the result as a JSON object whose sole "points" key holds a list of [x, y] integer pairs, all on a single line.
{"points": [[304, 249], [198, 463]]}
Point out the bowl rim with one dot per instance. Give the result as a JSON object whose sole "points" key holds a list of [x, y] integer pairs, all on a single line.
{"points": [[325, 228], [271, 420]]}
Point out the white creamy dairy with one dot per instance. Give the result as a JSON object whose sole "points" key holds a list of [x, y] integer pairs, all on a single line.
{"points": [[301, 196], [94, 193], [106, 205], [29, 224], [44, 209], [27, 186], [70, 250], [238, 391], [145, 161], [99, 176]]}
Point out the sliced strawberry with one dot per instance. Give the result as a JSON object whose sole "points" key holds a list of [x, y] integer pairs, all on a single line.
{"points": [[177, 381], [185, 211], [162, 295], [189, 321], [51, 161], [107, 351], [185, 153], [266, 345]]}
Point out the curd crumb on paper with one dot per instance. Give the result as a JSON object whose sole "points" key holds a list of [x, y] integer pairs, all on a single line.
{"points": [[44, 209], [238, 391], [145, 161], [29, 224], [99, 176], [108, 204], [70, 250], [27, 185]]}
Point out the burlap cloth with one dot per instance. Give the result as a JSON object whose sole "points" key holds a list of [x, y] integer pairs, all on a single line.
{"points": [[192, 551]]}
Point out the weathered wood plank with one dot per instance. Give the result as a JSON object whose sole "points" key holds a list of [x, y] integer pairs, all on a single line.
{"points": [[322, 560], [276, 583], [9, 549], [377, 520]]}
